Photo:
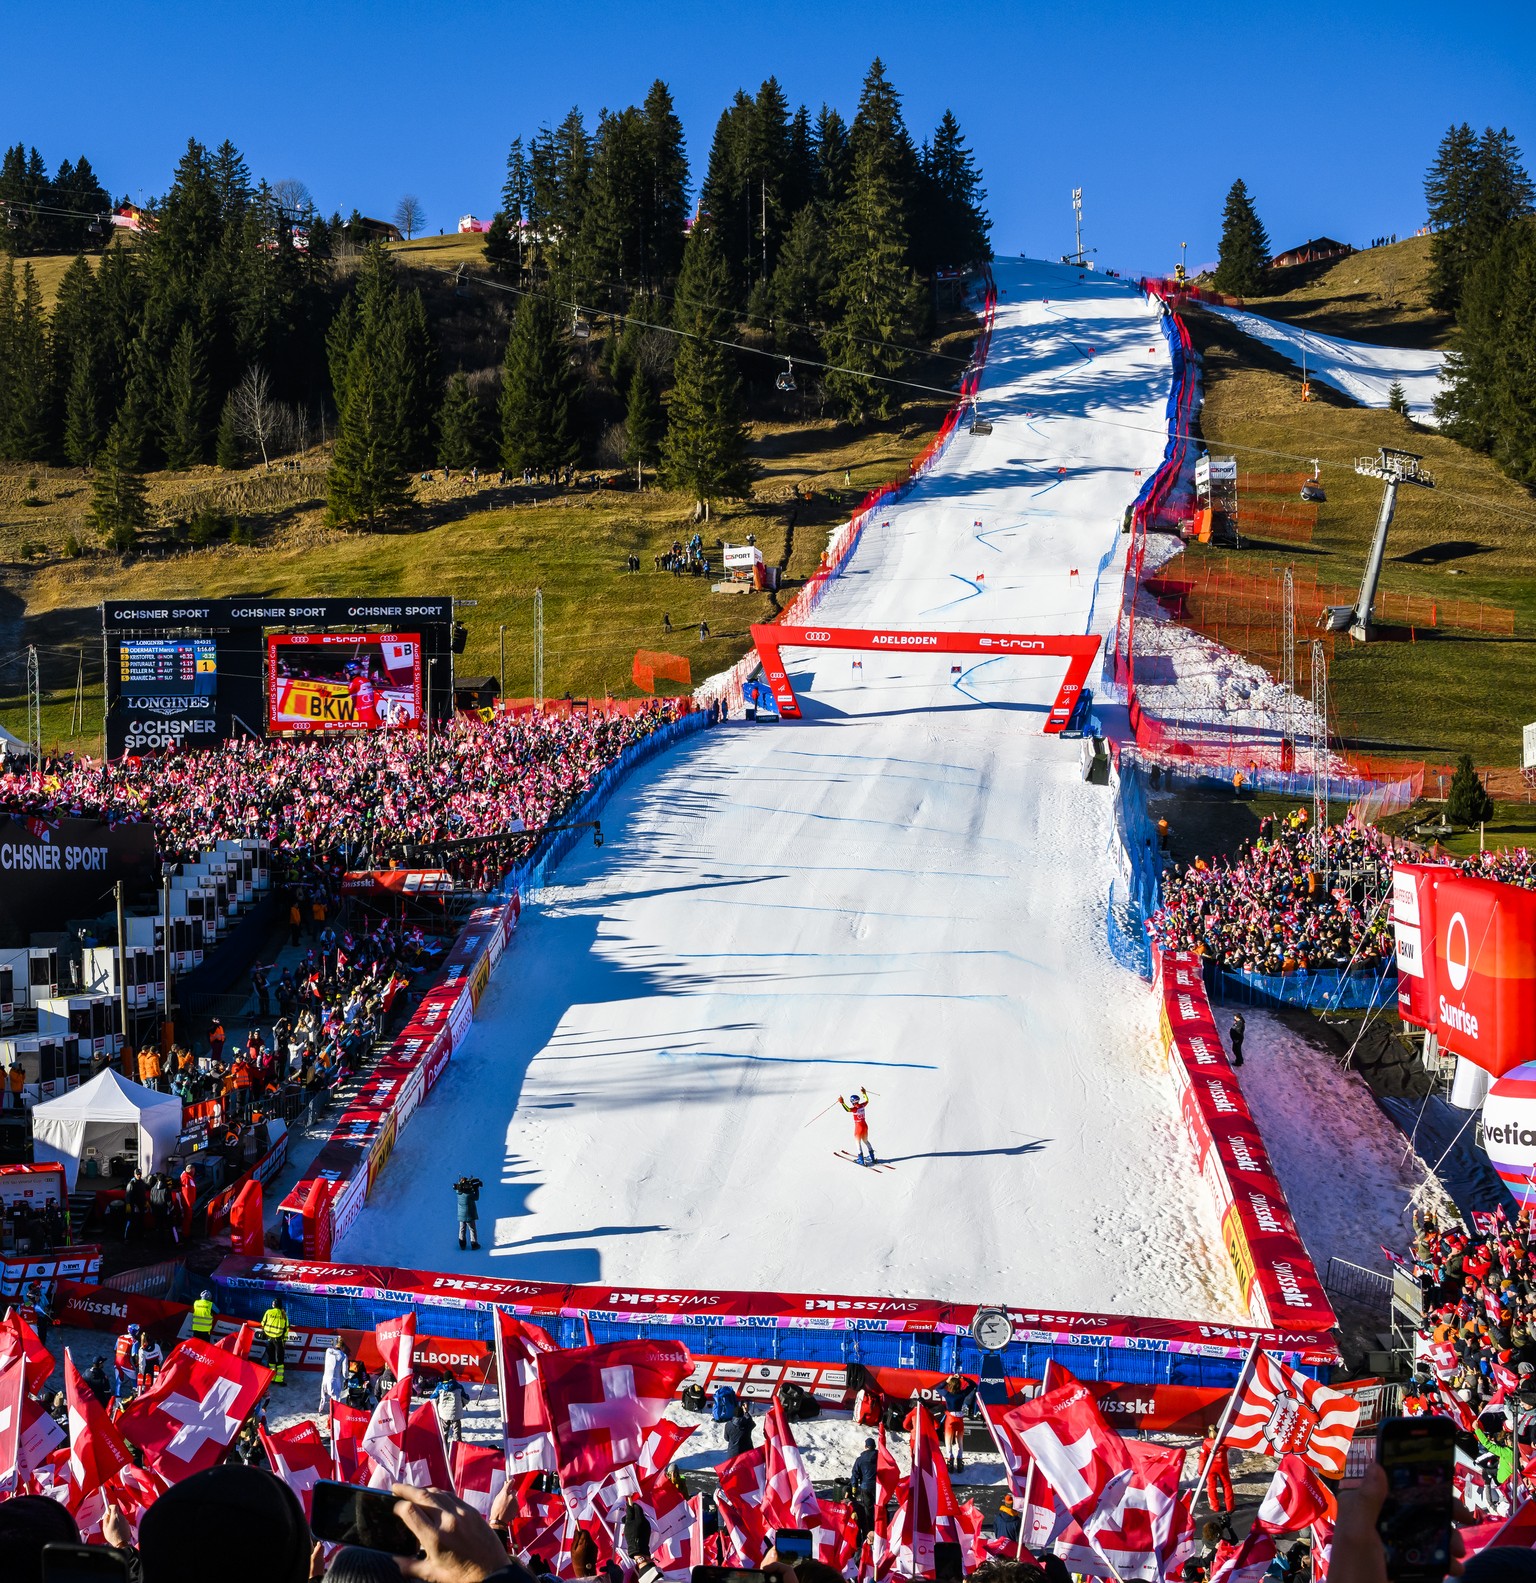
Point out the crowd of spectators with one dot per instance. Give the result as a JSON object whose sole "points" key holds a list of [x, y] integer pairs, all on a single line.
{"points": [[1280, 905], [1477, 1347], [323, 801]]}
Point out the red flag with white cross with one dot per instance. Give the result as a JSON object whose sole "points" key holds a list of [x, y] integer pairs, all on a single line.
{"points": [[189, 1417]]}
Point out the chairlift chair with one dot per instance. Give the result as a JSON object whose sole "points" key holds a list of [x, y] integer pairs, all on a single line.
{"points": [[580, 329], [786, 380], [1313, 490], [979, 425]]}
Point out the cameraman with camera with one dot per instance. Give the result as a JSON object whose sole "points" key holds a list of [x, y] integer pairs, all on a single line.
{"points": [[467, 1192]]}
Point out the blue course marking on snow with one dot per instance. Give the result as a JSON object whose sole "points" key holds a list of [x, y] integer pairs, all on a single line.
{"points": [[982, 538], [1048, 488], [975, 589], [810, 1060], [959, 682]]}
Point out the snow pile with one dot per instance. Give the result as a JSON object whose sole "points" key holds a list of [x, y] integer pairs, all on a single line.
{"points": [[1349, 1174], [1364, 373]]}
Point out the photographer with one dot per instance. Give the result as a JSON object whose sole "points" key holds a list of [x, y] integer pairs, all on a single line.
{"points": [[467, 1191]]}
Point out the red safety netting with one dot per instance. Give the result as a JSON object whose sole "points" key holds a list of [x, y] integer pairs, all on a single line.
{"points": [[651, 666]]}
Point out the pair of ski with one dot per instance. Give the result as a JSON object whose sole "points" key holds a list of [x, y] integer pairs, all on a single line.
{"points": [[853, 1159]]}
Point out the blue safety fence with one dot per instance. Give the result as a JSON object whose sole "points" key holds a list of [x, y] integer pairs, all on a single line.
{"points": [[534, 871], [1128, 1360], [1360, 990], [1126, 932]]}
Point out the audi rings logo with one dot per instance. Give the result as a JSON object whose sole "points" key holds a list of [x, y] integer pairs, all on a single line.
{"points": [[818, 637], [1457, 967]]}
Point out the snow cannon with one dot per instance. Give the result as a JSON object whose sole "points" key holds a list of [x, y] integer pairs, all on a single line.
{"points": [[1509, 1131]]}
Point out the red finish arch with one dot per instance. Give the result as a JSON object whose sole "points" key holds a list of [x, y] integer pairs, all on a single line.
{"points": [[1077, 649]]}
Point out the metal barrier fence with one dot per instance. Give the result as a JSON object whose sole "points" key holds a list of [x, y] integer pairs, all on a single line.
{"points": [[1365, 989], [1347, 1279]]}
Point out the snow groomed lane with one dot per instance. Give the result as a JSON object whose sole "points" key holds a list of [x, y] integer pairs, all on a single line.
{"points": [[904, 891]]}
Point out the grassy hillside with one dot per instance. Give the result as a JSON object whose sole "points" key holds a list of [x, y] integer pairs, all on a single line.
{"points": [[494, 545], [1471, 537], [1379, 296], [49, 269]]}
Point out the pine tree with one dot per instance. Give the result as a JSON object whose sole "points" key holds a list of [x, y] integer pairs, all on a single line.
{"points": [[503, 251], [953, 228], [184, 422], [84, 422], [705, 450], [643, 424], [1244, 253], [879, 300], [666, 207], [119, 508], [460, 429], [802, 284], [28, 376], [538, 418], [613, 225], [226, 445], [1467, 801], [834, 162], [381, 388], [1448, 185], [1397, 399]]}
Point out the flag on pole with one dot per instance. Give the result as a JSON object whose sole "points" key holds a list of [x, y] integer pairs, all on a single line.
{"points": [[789, 1498], [525, 1422], [298, 1456], [1281, 1411]]}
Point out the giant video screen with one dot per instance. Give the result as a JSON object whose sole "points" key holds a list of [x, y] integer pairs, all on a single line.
{"points": [[343, 681]]}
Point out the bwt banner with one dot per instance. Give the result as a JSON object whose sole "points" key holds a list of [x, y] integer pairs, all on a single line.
{"points": [[1466, 962]]}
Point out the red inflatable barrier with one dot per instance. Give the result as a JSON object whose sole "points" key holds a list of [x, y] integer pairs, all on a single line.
{"points": [[332, 1193], [1076, 648], [1274, 1271]]}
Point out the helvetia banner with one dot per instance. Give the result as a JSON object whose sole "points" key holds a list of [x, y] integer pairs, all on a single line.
{"points": [[1466, 962]]}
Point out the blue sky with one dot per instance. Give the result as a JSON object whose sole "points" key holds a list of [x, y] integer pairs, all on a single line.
{"points": [[1328, 112]]}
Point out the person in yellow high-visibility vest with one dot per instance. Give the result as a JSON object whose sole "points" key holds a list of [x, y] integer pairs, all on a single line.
{"points": [[274, 1327], [202, 1316]]}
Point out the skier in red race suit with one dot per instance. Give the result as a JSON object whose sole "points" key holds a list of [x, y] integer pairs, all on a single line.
{"points": [[855, 1105], [364, 700]]}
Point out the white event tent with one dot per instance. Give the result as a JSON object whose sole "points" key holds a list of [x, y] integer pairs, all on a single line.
{"points": [[106, 1114]]}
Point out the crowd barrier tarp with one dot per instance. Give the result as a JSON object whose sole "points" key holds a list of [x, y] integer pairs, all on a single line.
{"points": [[704, 1309], [17, 1273], [1273, 1268], [84, 1307], [1362, 989]]}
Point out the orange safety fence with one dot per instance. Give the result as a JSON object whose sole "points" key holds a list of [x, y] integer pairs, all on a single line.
{"points": [[651, 666], [1271, 483]]}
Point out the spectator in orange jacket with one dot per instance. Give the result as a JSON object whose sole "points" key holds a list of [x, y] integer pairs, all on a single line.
{"points": [[149, 1068]]}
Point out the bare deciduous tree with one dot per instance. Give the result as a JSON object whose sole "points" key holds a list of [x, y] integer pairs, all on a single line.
{"points": [[258, 416], [409, 215], [292, 194]]}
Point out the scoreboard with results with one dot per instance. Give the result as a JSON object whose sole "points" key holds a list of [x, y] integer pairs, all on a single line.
{"points": [[169, 667]]}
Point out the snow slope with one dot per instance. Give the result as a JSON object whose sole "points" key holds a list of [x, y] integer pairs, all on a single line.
{"points": [[905, 890], [1364, 373]]}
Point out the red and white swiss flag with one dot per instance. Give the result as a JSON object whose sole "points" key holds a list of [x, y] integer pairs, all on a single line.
{"points": [[189, 1417], [789, 1497], [406, 1443], [479, 1474], [525, 1422], [601, 1401], [12, 1395], [1296, 1499], [1087, 1465], [97, 1450], [299, 1457], [396, 1340], [348, 1426], [19, 1340], [739, 1501]]}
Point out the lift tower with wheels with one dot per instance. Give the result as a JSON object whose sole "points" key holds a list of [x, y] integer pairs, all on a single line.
{"points": [[1393, 468]]}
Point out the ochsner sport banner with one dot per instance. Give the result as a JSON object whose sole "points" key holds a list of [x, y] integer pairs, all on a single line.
{"points": [[1466, 962]]}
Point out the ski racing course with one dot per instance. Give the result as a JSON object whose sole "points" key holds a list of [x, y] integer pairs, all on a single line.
{"points": [[904, 891]]}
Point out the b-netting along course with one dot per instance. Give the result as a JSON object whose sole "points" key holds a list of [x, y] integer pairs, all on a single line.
{"points": [[901, 895]]}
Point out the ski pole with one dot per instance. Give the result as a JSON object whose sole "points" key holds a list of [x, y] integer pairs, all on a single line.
{"points": [[819, 1114]]}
